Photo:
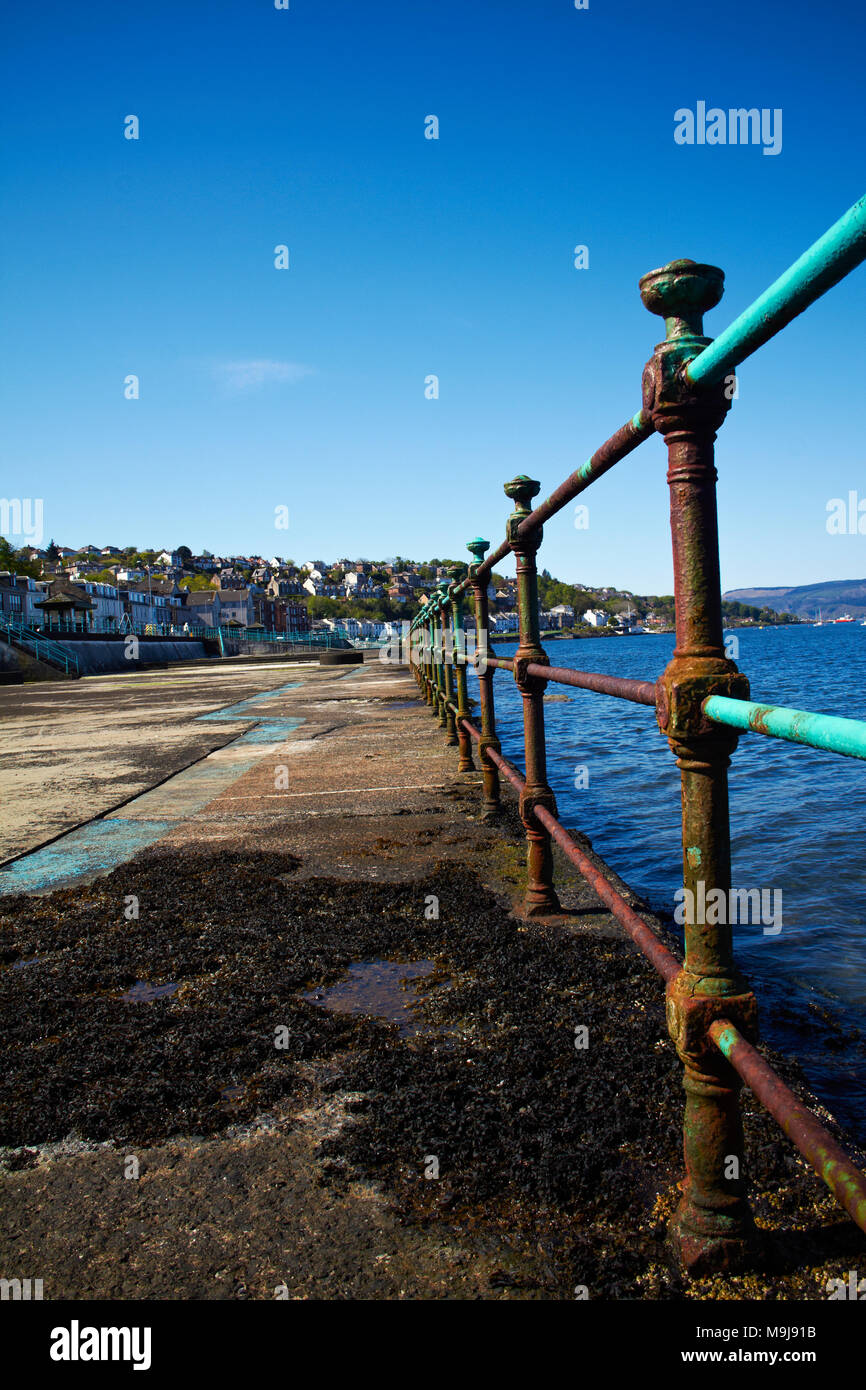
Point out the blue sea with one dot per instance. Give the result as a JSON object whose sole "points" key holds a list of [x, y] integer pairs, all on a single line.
{"points": [[797, 821]]}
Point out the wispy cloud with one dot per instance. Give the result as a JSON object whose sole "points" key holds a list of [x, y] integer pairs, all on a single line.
{"points": [[250, 376]]}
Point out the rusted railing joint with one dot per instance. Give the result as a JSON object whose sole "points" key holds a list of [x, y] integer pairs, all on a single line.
{"points": [[713, 1227]]}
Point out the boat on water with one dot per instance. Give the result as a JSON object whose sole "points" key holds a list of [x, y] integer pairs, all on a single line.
{"points": [[845, 618]]}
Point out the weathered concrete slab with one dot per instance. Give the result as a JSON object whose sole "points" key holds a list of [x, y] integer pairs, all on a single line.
{"points": [[269, 869], [74, 750]]}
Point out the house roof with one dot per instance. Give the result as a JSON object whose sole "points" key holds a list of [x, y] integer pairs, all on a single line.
{"points": [[164, 586]]}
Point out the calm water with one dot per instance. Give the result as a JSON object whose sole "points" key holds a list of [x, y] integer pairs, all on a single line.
{"points": [[797, 818]]}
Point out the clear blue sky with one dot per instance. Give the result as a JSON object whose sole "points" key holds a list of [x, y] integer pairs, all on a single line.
{"points": [[409, 257]]}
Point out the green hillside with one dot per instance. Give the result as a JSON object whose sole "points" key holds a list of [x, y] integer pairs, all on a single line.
{"points": [[831, 599]]}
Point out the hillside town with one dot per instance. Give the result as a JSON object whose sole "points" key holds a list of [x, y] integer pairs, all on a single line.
{"points": [[114, 590]]}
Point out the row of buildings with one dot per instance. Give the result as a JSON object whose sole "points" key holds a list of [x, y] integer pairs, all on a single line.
{"points": [[69, 605], [87, 605], [107, 589]]}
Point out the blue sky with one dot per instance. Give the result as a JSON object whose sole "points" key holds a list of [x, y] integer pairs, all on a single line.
{"points": [[305, 387]]}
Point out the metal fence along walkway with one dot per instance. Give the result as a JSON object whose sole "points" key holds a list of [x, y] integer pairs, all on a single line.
{"points": [[702, 705], [43, 647]]}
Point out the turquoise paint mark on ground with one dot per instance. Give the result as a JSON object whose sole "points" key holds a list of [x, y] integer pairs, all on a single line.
{"points": [[97, 848], [266, 730], [241, 710], [92, 849], [270, 731]]}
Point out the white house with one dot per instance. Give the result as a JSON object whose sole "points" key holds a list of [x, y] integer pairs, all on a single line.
{"points": [[145, 608], [107, 611], [596, 617]]}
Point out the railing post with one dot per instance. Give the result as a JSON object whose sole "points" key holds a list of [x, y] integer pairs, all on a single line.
{"points": [[439, 662], [491, 803], [540, 896], [713, 1227], [421, 650], [418, 648], [448, 684], [465, 763], [427, 654], [431, 667]]}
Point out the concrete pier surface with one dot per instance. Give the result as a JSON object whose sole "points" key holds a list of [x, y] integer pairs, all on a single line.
{"points": [[273, 1027]]}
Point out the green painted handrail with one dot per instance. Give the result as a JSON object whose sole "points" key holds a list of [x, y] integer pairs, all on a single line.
{"points": [[827, 731], [825, 263]]}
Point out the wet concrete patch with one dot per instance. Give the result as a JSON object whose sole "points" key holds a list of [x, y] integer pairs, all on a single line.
{"points": [[378, 988], [143, 993]]}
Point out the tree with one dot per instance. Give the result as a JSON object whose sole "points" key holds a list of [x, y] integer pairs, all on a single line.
{"points": [[102, 577], [16, 562], [196, 583], [184, 552], [53, 550]]}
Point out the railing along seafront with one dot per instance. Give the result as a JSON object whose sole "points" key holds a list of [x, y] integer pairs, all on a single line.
{"points": [[38, 645], [16, 627], [702, 704]]}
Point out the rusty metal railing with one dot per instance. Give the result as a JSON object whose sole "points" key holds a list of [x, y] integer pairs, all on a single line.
{"points": [[702, 705]]}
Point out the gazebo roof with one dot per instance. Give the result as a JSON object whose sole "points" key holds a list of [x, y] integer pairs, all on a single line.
{"points": [[58, 602]]}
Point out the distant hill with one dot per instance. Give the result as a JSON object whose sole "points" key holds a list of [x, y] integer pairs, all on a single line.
{"points": [[832, 598]]}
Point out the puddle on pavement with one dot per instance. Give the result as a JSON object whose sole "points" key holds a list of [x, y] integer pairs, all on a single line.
{"points": [[143, 993], [233, 1095], [382, 989]]}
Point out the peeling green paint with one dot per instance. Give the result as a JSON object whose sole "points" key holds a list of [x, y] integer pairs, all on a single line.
{"points": [[819, 268], [829, 732]]}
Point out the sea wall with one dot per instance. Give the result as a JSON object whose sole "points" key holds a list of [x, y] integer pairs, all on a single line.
{"points": [[95, 655]]}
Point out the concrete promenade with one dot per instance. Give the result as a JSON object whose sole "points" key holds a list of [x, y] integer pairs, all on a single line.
{"points": [[183, 1116]]}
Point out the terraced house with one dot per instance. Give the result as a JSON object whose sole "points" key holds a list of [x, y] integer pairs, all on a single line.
{"points": [[236, 606], [19, 595]]}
